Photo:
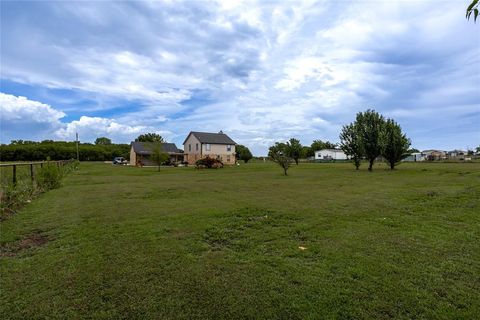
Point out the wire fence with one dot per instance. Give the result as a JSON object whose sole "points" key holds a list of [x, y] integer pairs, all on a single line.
{"points": [[13, 173]]}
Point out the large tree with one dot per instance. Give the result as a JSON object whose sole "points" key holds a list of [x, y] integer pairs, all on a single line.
{"points": [[294, 149], [473, 8], [103, 141], [370, 126], [395, 143], [150, 137], [158, 155], [350, 144], [243, 153]]}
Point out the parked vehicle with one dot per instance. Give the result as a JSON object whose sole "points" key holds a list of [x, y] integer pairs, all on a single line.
{"points": [[119, 160]]}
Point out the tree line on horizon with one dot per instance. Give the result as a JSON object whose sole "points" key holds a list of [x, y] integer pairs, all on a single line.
{"points": [[25, 150]]}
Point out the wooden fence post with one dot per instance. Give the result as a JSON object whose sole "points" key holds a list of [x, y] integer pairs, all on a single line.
{"points": [[31, 172], [14, 174]]}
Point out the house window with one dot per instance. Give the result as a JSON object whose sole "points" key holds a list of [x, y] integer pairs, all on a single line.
{"points": [[229, 147], [196, 147], [189, 147], [207, 147], [228, 158]]}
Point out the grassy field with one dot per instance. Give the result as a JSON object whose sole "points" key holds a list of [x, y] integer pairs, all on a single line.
{"points": [[246, 242]]}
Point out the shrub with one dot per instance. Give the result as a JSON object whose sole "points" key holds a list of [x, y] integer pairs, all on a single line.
{"points": [[49, 176], [210, 163], [14, 197]]}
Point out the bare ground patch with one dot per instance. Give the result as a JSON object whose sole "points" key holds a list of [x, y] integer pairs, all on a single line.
{"points": [[33, 240]]}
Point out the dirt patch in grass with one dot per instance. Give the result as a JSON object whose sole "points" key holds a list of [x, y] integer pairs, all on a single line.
{"points": [[33, 240]]}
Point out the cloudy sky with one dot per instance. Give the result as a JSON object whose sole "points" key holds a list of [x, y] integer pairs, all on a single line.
{"points": [[261, 71]]}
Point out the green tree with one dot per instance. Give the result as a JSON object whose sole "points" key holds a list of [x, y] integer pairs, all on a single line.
{"points": [[350, 144], [150, 137], [294, 149], [472, 8], [370, 126], [279, 147], [330, 145], [281, 158], [477, 149], [316, 145], [395, 143], [158, 156], [103, 141], [306, 151], [413, 150], [243, 153]]}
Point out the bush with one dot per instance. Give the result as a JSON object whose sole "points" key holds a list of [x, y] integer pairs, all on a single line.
{"points": [[49, 176], [210, 163], [14, 197]]}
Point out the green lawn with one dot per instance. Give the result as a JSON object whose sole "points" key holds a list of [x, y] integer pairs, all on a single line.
{"points": [[128, 243]]}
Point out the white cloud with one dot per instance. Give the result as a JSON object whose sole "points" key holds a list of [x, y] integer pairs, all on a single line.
{"points": [[21, 118], [18, 109], [90, 128]]}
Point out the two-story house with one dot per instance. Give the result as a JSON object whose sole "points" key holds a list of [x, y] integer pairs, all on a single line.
{"points": [[199, 145]]}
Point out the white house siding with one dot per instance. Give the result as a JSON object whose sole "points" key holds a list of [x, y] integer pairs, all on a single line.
{"points": [[330, 154]]}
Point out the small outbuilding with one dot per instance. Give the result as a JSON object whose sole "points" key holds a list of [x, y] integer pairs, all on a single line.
{"points": [[140, 153], [330, 154]]}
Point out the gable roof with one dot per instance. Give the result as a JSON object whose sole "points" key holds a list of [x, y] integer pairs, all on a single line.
{"points": [[213, 138], [146, 147]]}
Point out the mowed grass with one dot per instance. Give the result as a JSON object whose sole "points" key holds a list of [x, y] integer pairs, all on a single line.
{"points": [[128, 243]]}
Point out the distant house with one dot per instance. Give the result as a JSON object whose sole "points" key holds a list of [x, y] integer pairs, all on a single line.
{"points": [[330, 154], [198, 145], [140, 153], [432, 155], [457, 154]]}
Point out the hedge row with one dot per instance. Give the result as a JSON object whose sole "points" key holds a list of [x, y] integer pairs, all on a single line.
{"points": [[59, 150]]}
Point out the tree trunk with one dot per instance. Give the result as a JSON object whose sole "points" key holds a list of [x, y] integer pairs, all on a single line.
{"points": [[296, 161], [285, 171], [392, 165], [158, 168], [370, 165]]}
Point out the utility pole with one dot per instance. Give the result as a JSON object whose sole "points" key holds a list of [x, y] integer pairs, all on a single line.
{"points": [[78, 155]]}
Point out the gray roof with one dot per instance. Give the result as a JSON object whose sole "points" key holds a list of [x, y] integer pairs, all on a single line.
{"points": [[146, 147], [213, 138]]}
